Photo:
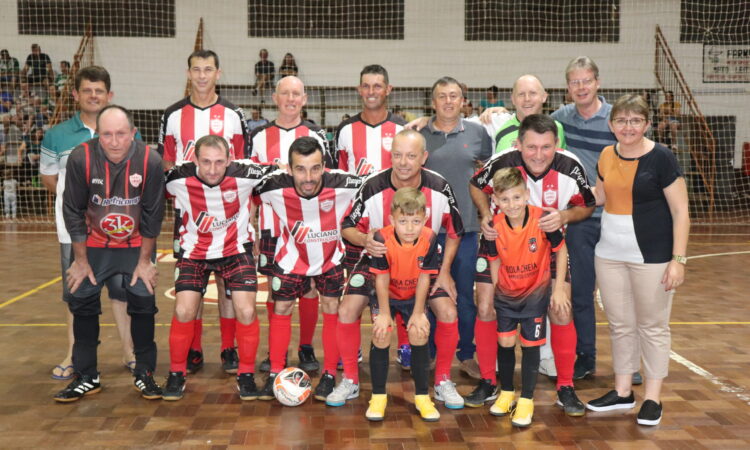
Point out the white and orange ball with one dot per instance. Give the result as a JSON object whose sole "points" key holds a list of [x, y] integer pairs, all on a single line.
{"points": [[292, 386]]}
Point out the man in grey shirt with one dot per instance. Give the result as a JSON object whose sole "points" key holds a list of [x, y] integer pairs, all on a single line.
{"points": [[456, 147]]}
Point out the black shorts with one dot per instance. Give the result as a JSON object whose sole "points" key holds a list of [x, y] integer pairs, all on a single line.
{"points": [[267, 245], [114, 283], [351, 256], [483, 274], [533, 329], [362, 282], [403, 307], [290, 286], [238, 272]]}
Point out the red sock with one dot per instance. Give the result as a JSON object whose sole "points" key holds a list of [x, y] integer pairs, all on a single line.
{"points": [[280, 334], [180, 336], [564, 339], [349, 338], [269, 308], [485, 335], [197, 334], [403, 335], [308, 319], [330, 346], [248, 337], [228, 329], [446, 341]]}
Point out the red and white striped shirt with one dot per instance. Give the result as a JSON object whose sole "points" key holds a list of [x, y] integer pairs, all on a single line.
{"points": [[372, 206], [184, 123], [310, 239], [215, 219], [363, 148]]}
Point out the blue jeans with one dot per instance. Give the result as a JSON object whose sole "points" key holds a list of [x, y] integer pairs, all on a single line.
{"points": [[581, 238], [462, 271]]}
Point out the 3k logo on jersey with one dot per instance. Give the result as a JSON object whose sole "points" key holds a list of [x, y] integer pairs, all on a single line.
{"points": [[303, 234]]}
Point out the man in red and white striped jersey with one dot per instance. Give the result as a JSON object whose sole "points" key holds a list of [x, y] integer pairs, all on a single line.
{"points": [[270, 144], [214, 197], [310, 203], [204, 113]]}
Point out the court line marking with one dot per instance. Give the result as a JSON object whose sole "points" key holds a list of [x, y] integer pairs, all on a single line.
{"points": [[30, 291]]}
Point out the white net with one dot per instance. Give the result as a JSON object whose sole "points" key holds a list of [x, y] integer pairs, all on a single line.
{"points": [[702, 56]]}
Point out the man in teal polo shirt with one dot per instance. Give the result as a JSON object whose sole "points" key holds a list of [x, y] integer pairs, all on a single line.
{"points": [[92, 92]]}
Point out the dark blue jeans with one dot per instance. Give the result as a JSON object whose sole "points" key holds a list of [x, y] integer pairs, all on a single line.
{"points": [[581, 238]]}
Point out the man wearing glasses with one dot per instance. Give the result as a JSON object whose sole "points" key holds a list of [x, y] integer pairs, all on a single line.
{"points": [[587, 132]]}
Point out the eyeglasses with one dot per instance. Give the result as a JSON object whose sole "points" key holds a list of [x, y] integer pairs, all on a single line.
{"points": [[634, 122], [585, 82]]}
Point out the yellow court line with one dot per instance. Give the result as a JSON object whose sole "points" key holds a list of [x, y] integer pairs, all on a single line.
{"points": [[32, 291], [297, 325]]}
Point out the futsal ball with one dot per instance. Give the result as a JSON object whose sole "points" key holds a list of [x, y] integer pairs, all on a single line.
{"points": [[292, 386]]}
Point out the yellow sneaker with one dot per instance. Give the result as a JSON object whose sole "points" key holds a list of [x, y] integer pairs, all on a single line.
{"points": [[503, 404], [376, 411], [523, 413], [426, 408]]}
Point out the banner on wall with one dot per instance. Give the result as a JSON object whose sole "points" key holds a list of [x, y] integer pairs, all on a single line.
{"points": [[726, 63]]}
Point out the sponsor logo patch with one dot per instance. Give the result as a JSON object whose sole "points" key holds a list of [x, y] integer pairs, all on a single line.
{"points": [[117, 226]]}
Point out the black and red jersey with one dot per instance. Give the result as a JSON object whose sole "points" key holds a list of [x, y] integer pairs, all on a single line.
{"points": [[112, 205], [310, 234], [363, 148], [215, 219], [184, 123], [372, 205]]}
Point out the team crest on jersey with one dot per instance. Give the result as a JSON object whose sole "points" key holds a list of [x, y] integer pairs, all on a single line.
{"points": [[136, 179], [304, 235], [229, 196], [549, 197], [326, 205], [387, 143], [117, 226], [216, 124], [532, 245]]}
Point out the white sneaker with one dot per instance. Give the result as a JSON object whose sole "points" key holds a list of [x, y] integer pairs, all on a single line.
{"points": [[446, 392], [346, 390], [547, 367]]}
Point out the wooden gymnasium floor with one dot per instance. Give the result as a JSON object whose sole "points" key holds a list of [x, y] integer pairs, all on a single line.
{"points": [[706, 397]]}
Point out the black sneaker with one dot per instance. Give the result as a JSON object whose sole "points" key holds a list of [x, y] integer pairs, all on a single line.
{"points": [[175, 386], [265, 365], [80, 386], [611, 401], [325, 386], [229, 360], [650, 413], [267, 392], [585, 366], [569, 402], [484, 392], [194, 361], [145, 384], [246, 386], [637, 379], [307, 360]]}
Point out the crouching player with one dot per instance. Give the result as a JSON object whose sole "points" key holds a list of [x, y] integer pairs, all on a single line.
{"points": [[402, 283], [520, 267], [214, 196]]}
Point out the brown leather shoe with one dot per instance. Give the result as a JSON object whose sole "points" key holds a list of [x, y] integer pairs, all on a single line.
{"points": [[471, 368]]}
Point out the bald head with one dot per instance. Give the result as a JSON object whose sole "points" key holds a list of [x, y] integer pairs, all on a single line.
{"points": [[528, 96], [290, 98], [290, 82]]}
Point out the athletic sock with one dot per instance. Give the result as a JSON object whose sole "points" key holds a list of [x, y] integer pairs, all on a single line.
{"points": [[180, 337], [485, 334], [330, 345], [420, 368], [379, 368], [248, 337], [279, 336], [349, 339], [308, 319], [228, 327], [196, 344], [403, 335], [446, 340], [506, 359], [529, 370], [564, 338], [86, 332]]}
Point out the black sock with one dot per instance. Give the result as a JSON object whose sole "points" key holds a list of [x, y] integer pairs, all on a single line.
{"points": [[529, 370], [420, 368], [506, 360], [144, 347], [86, 334], [379, 368]]}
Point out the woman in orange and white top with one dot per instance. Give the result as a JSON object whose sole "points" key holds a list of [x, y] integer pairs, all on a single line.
{"points": [[640, 257]]}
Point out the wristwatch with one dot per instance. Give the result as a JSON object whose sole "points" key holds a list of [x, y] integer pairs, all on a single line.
{"points": [[680, 259]]}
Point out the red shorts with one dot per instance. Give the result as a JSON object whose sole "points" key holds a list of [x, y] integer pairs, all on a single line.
{"points": [[290, 286], [238, 272]]}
